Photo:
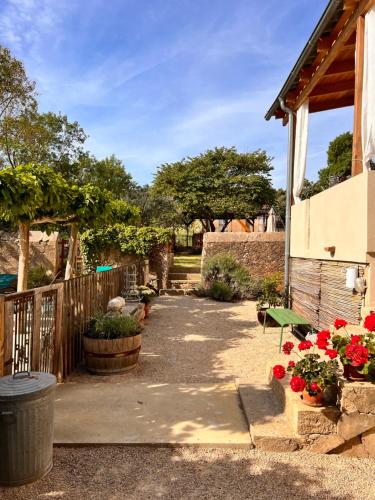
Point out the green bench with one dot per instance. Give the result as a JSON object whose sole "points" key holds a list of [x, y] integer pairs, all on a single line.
{"points": [[284, 317]]}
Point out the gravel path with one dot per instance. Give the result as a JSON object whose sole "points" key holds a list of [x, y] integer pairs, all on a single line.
{"points": [[193, 473], [191, 340]]}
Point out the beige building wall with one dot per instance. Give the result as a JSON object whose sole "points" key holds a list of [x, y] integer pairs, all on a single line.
{"points": [[342, 217]]}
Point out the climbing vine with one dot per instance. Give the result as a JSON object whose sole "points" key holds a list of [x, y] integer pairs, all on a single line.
{"points": [[129, 240]]}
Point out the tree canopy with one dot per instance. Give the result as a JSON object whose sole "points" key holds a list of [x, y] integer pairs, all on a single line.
{"points": [[218, 184], [42, 138], [17, 92], [108, 174]]}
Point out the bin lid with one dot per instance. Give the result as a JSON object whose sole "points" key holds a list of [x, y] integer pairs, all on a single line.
{"points": [[23, 383]]}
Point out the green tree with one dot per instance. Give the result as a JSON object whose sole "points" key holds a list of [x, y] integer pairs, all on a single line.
{"points": [[42, 138], [108, 174], [92, 207], [218, 184], [30, 194], [339, 160], [17, 92], [155, 209]]}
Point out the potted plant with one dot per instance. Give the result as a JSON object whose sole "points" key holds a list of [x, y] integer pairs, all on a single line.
{"points": [[356, 351], [271, 296], [146, 294], [112, 344], [311, 374]]}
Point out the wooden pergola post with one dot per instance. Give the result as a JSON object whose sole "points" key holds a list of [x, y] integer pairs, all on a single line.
{"points": [[357, 156]]}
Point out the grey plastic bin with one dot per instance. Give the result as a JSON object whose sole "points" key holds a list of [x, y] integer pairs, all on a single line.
{"points": [[26, 426]]}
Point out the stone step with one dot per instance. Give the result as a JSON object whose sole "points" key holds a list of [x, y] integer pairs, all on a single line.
{"points": [[184, 276], [183, 284], [185, 269], [268, 425], [176, 291], [304, 420]]}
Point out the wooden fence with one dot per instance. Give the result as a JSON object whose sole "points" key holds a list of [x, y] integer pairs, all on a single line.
{"points": [[41, 329]]}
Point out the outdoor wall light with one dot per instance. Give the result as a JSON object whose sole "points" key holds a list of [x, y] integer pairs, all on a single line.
{"points": [[330, 249]]}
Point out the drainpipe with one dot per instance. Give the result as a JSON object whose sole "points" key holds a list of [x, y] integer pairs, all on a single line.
{"points": [[288, 195]]}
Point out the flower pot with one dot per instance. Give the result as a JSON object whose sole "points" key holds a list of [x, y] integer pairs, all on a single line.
{"points": [[147, 310], [270, 322], [316, 400], [351, 373], [108, 356]]}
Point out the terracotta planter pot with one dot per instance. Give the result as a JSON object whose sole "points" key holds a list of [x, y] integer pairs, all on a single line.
{"points": [[108, 356], [147, 310], [316, 400], [270, 322], [351, 373]]}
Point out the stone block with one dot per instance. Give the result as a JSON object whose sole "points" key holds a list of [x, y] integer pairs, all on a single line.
{"points": [[276, 444], [116, 305], [353, 424], [317, 420], [368, 441], [352, 448], [325, 444], [357, 396]]}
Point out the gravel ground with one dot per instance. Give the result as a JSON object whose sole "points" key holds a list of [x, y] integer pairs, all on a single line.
{"points": [[192, 340], [193, 473]]}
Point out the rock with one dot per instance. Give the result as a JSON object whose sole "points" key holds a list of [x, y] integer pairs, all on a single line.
{"points": [[353, 424], [317, 420], [368, 441], [352, 448], [277, 444], [358, 396], [325, 444], [116, 305]]}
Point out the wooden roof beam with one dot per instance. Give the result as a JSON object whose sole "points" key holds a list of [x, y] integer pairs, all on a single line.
{"points": [[333, 88], [341, 33]]}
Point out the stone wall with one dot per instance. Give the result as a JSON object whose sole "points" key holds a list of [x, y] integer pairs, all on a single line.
{"points": [[114, 258], [44, 251], [260, 253], [160, 261]]}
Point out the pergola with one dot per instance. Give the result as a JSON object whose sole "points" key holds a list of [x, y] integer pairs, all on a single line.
{"points": [[329, 73]]}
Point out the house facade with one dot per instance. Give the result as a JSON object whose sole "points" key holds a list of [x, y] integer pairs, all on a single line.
{"points": [[331, 236]]}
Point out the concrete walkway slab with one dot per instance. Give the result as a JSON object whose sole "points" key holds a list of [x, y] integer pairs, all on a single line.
{"points": [[152, 414]]}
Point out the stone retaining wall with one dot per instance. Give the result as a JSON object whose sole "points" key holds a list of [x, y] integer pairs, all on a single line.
{"points": [[44, 251], [260, 253]]}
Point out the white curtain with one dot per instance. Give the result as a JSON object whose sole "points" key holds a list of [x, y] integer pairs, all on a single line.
{"points": [[300, 149], [368, 96]]}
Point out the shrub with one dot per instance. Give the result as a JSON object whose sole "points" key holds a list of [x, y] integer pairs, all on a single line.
{"points": [[38, 276], [200, 291], [106, 326], [224, 267], [272, 291], [219, 290]]}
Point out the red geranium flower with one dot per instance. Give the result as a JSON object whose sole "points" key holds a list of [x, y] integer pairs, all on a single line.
{"points": [[287, 347], [314, 387], [357, 353], [292, 364], [369, 322], [322, 343], [355, 339], [297, 384], [278, 371], [304, 345], [323, 335], [332, 353], [339, 323]]}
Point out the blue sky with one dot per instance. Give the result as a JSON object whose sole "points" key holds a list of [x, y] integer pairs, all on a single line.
{"points": [[153, 81]]}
